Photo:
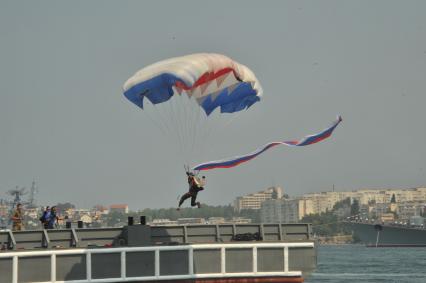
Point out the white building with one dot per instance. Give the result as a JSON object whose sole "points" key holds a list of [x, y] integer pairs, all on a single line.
{"points": [[281, 211], [216, 220], [182, 221], [86, 218], [162, 222], [254, 201], [324, 201], [120, 208]]}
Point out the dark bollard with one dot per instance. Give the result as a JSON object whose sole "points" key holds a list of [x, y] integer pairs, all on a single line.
{"points": [[80, 224], [130, 220], [68, 225], [143, 220]]}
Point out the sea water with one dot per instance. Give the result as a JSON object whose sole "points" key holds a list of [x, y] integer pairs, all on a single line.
{"points": [[357, 263]]}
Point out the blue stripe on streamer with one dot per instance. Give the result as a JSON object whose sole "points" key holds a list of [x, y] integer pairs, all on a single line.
{"points": [[228, 163]]}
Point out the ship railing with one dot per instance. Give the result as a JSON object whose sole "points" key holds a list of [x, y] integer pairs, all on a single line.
{"points": [[191, 273], [184, 234]]}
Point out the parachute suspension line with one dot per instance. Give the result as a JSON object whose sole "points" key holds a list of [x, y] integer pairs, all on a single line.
{"points": [[205, 133], [192, 111], [234, 117], [211, 131], [191, 122], [196, 130], [184, 124], [222, 127], [184, 120], [175, 122], [207, 136], [187, 112], [162, 119], [184, 131], [202, 127], [181, 125], [179, 121], [194, 121], [158, 125]]}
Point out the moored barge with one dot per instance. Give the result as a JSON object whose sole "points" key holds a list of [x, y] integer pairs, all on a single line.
{"points": [[250, 253]]}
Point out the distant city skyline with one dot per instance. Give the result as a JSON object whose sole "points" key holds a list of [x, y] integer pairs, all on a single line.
{"points": [[65, 123], [253, 200]]}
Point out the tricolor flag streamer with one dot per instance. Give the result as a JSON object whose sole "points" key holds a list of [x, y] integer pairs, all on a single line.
{"points": [[232, 162]]}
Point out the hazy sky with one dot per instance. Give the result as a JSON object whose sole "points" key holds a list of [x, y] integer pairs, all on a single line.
{"points": [[65, 123]]}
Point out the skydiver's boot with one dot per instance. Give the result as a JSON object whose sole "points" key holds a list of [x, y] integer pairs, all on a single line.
{"points": [[198, 204]]}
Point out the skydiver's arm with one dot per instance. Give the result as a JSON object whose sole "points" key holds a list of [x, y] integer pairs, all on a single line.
{"points": [[196, 181], [203, 181]]}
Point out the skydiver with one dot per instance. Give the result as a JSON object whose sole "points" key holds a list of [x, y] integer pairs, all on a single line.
{"points": [[195, 185]]}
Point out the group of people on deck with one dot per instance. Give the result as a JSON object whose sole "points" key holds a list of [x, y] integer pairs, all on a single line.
{"points": [[48, 219]]}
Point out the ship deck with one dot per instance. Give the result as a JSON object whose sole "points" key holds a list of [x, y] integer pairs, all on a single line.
{"points": [[195, 253]]}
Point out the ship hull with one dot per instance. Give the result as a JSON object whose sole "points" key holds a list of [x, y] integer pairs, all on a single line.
{"points": [[388, 236]]}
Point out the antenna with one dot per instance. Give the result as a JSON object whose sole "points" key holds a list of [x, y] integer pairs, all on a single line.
{"points": [[33, 192], [17, 193]]}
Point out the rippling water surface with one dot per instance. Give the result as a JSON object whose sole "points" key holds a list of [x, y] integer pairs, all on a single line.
{"points": [[357, 263]]}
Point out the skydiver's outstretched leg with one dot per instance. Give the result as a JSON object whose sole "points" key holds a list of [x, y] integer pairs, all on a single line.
{"points": [[183, 198], [194, 202]]}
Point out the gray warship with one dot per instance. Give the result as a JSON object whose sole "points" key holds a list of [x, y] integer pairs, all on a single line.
{"points": [[388, 235]]}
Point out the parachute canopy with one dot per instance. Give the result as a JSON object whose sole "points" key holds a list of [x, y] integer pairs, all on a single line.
{"points": [[214, 80]]}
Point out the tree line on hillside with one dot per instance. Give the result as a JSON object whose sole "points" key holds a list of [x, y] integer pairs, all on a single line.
{"points": [[329, 223]]}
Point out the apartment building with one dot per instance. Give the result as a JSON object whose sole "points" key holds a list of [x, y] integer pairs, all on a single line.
{"points": [[367, 196], [324, 201], [255, 200], [284, 210], [121, 208]]}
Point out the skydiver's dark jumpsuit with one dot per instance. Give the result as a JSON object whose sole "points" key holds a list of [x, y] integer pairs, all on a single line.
{"points": [[194, 188]]}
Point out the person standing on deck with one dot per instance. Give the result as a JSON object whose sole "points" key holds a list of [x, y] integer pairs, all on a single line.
{"points": [[18, 218]]}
